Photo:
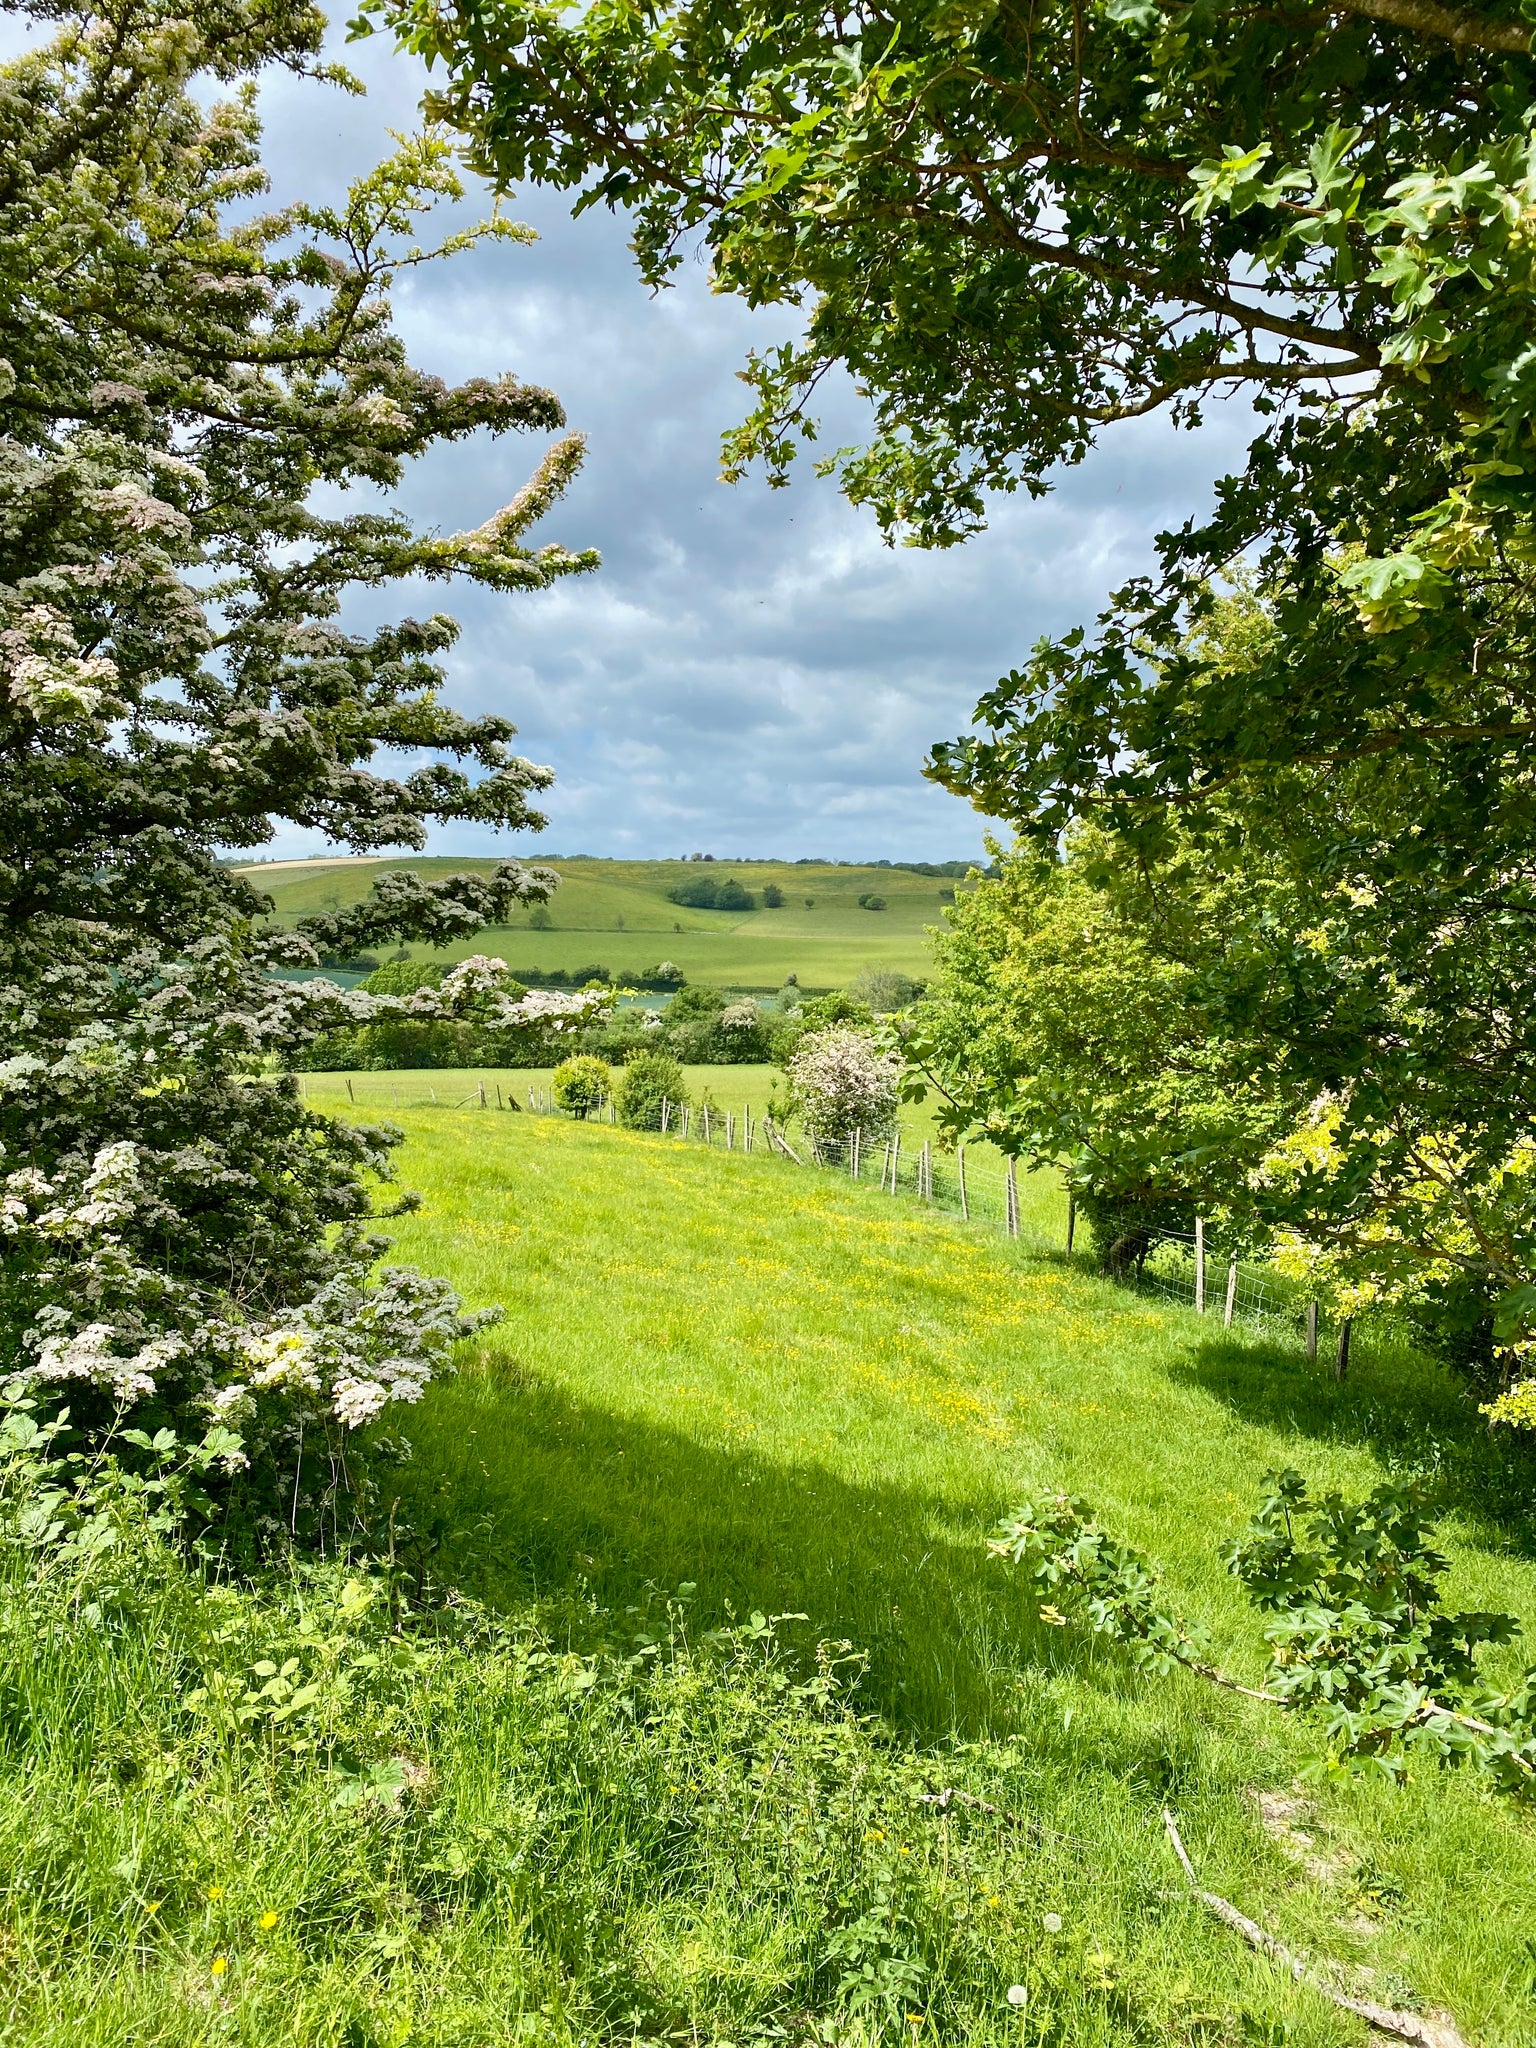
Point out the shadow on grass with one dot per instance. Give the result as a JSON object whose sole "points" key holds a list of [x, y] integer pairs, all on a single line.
{"points": [[1413, 1415], [526, 1494]]}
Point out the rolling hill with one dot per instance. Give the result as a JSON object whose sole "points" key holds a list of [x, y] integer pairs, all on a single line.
{"points": [[617, 913]]}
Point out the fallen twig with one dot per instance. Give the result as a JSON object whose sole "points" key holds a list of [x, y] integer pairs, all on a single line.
{"points": [[1408, 2026]]}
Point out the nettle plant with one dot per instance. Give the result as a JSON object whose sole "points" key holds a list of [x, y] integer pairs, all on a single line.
{"points": [[184, 380], [1352, 1598]]}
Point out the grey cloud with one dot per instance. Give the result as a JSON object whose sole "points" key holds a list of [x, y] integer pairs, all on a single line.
{"points": [[751, 670]]}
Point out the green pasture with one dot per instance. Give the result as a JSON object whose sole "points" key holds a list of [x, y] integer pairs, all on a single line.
{"points": [[616, 913], [1042, 1203], [800, 1396], [736, 1448]]}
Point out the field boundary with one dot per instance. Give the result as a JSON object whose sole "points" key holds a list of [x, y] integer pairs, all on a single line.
{"points": [[1183, 1266]]}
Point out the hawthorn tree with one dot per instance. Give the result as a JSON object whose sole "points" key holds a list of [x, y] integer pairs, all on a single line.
{"points": [[188, 385]]}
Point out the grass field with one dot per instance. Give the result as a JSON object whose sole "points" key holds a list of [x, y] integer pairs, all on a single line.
{"points": [[736, 1411], [1042, 1201], [801, 1397], [616, 914]]}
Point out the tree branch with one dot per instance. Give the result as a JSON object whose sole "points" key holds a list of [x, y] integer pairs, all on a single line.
{"points": [[1407, 2026], [1426, 18]]}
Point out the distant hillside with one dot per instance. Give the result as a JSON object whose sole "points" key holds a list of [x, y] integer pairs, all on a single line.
{"points": [[619, 914]]}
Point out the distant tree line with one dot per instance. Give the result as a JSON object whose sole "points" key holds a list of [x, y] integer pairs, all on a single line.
{"points": [[700, 1025]]}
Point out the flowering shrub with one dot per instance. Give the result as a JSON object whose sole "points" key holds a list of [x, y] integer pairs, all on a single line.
{"points": [[184, 1244], [843, 1082]]}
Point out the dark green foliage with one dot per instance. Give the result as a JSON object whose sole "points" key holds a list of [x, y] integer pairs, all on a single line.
{"points": [[708, 894], [773, 896], [646, 1080], [871, 901]]}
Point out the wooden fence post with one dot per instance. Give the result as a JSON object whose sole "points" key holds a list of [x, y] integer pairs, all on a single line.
{"points": [[350, 1096], [1312, 1331], [499, 1103], [706, 1123], [1341, 1361], [895, 1160], [965, 1207], [1231, 1303], [1199, 1265], [1071, 1222], [482, 1095], [1013, 1197], [853, 1154]]}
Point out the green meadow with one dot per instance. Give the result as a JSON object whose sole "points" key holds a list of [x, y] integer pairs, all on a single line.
{"points": [[615, 913], [706, 1642], [797, 1396]]}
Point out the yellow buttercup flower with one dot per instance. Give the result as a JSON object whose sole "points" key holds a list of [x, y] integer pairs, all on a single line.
{"points": [[220, 1965], [267, 1920], [215, 1891]]}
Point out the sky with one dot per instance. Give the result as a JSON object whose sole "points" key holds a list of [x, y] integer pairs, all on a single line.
{"points": [[750, 672]]}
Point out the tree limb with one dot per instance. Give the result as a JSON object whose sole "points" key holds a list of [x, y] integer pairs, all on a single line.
{"points": [[1427, 18], [1407, 2026]]}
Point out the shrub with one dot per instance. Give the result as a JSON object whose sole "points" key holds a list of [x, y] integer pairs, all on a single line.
{"points": [[643, 1084], [742, 1033], [884, 989], [697, 999], [773, 896], [837, 1006], [871, 902], [844, 1083], [404, 977], [581, 1084], [540, 919]]}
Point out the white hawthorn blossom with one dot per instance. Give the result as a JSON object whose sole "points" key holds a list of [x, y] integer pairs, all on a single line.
{"points": [[843, 1083]]}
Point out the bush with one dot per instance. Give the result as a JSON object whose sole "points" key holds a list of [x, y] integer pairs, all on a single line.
{"points": [[696, 999], [844, 1083], [582, 1084], [773, 896], [884, 989], [649, 1079], [871, 902], [837, 1006]]}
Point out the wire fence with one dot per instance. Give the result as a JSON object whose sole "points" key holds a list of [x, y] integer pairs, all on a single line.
{"points": [[1180, 1266], [894, 1164], [1188, 1267]]}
